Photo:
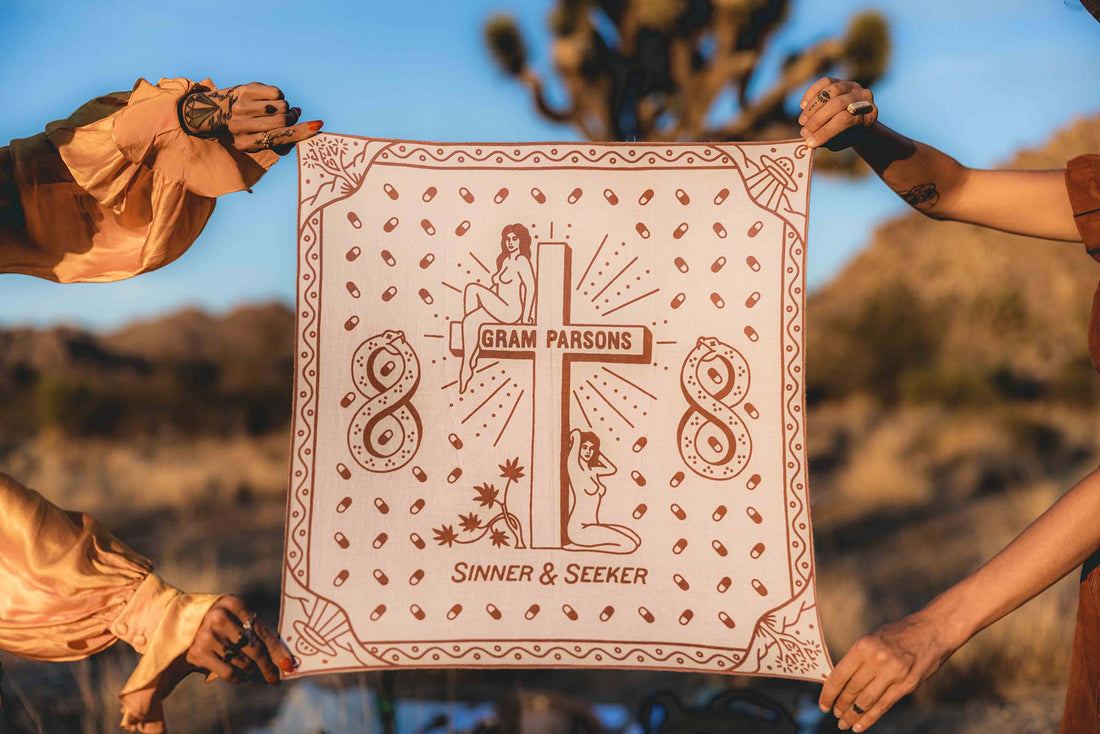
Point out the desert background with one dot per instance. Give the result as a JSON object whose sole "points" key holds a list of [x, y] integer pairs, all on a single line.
{"points": [[949, 393]]}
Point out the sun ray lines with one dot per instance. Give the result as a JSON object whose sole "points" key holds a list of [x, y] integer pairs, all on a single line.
{"points": [[634, 300], [486, 400], [487, 270], [617, 275], [581, 406], [639, 388], [448, 285], [617, 412], [591, 262], [509, 418]]}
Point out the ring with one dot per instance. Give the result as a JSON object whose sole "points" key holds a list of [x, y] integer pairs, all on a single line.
{"points": [[265, 142], [823, 96], [231, 654], [249, 635], [857, 709], [860, 108]]}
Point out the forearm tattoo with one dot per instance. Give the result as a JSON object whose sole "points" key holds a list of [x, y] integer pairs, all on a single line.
{"points": [[921, 197], [207, 112]]}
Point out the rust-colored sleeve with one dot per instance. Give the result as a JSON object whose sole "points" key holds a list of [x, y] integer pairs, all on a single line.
{"points": [[70, 589], [115, 190], [1083, 184]]}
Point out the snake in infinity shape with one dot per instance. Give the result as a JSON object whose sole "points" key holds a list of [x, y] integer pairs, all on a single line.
{"points": [[385, 433], [713, 440]]}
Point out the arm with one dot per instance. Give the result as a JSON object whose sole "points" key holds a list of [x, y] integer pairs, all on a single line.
{"points": [[888, 664], [1032, 203], [611, 468], [527, 278]]}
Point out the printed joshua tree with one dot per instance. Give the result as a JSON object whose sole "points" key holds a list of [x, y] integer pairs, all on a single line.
{"points": [[472, 528]]}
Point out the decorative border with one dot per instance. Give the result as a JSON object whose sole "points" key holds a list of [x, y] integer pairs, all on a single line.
{"points": [[332, 168]]}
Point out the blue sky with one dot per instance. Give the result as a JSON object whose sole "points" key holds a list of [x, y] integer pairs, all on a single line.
{"points": [[978, 78]]}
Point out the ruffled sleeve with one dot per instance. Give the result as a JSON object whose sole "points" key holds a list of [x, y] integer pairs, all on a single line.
{"points": [[118, 188], [70, 589]]}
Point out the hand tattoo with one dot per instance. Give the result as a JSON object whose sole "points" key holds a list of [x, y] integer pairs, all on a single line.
{"points": [[921, 197], [208, 112]]}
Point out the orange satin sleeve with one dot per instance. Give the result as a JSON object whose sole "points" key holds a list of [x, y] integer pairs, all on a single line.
{"points": [[116, 189], [69, 589]]}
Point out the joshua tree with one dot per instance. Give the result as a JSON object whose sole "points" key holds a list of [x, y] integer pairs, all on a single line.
{"points": [[654, 69]]}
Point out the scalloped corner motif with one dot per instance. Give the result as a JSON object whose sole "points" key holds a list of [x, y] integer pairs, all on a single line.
{"points": [[331, 167]]}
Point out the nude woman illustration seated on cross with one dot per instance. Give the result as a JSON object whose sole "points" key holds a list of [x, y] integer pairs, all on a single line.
{"points": [[509, 300], [586, 469]]}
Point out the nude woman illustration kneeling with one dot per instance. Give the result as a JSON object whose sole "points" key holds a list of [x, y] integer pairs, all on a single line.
{"points": [[586, 469]]}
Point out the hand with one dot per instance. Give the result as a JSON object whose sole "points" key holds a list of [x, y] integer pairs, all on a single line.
{"points": [[825, 117], [881, 668], [217, 648], [255, 116]]}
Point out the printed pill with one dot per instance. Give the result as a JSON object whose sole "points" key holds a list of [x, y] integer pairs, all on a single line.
{"points": [[676, 479], [680, 545], [355, 220], [385, 437], [427, 226], [645, 197], [351, 323], [754, 482], [532, 612], [753, 263], [454, 475], [380, 576], [387, 257], [575, 196], [612, 199], [755, 228], [353, 289], [721, 196], [381, 506], [416, 507], [343, 471], [417, 611], [389, 293], [753, 299], [342, 540], [719, 513], [419, 474], [538, 196], [757, 550], [462, 228], [344, 505], [752, 411], [417, 541], [640, 444], [754, 515], [686, 616], [429, 194], [378, 612], [417, 577], [682, 197], [347, 400], [387, 368], [501, 196], [726, 620], [353, 253], [426, 261], [454, 611], [720, 230], [678, 511], [646, 615], [390, 191], [569, 612], [724, 584], [638, 478], [425, 296], [493, 611], [680, 231], [681, 264], [455, 440], [718, 264], [681, 582], [639, 511], [751, 334], [606, 613], [719, 548], [717, 300], [340, 578], [758, 585], [642, 230], [678, 300], [390, 224], [467, 195], [715, 444]]}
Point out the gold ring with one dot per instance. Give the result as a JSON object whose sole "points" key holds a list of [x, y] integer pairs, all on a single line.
{"points": [[265, 142], [860, 108]]}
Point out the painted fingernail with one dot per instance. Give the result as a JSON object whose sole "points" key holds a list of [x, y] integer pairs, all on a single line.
{"points": [[286, 664], [315, 125], [297, 111]]}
